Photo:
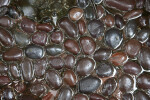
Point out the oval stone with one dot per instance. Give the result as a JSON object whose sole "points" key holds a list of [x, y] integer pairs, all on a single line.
{"points": [[56, 37], [69, 61], [75, 13], [80, 97], [3, 10], [4, 80], [14, 70], [95, 96], [34, 51], [89, 13], [54, 50], [45, 27], [143, 35], [81, 26], [5, 21], [140, 95], [89, 84], [53, 79], [3, 67], [72, 46], [13, 54], [127, 96], [96, 28], [119, 22], [85, 66], [4, 3], [109, 20], [69, 27], [88, 45], [83, 3]]}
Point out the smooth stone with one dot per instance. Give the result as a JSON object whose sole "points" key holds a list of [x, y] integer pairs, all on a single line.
{"points": [[89, 13], [13, 54], [69, 61], [14, 70], [85, 66], [20, 87], [14, 12], [122, 5], [109, 86], [34, 51], [118, 58], [21, 38], [119, 21], [140, 95], [100, 11], [28, 25], [127, 96], [5, 21], [132, 68], [4, 80], [104, 70], [143, 81], [144, 58], [39, 38], [143, 35], [143, 21], [70, 78], [95, 96], [81, 26], [27, 69], [56, 62], [75, 13], [80, 96], [133, 14], [56, 37], [109, 20], [69, 27], [40, 66], [88, 45], [72, 46], [126, 83], [3, 10], [140, 4], [96, 28], [89, 84], [3, 67], [5, 38], [147, 5], [4, 3], [102, 54], [132, 47], [8, 94], [65, 93], [54, 50], [113, 38], [53, 79], [48, 96], [83, 3], [45, 27], [130, 29]]}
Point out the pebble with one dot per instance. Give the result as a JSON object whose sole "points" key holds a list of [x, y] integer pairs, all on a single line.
{"points": [[69, 61], [75, 13], [89, 13], [140, 95], [3, 67], [14, 70], [72, 46], [4, 3], [109, 20], [80, 96], [140, 4], [100, 11], [8, 94], [45, 27], [56, 37], [20, 87], [4, 80], [3, 10], [96, 28], [83, 3], [143, 35], [127, 96], [34, 51], [89, 84], [5, 21], [13, 54], [119, 21], [81, 26], [88, 45], [54, 50], [95, 96], [85, 66]]}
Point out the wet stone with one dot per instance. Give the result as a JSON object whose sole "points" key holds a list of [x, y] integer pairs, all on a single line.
{"points": [[8, 94], [20, 87], [14, 70], [95, 96], [118, 58], [126, 83], [65, 93], [140, 4], [132, 68], [14, 12], [44, 27], [122, 5], [34, 51], [140, 95], [72, 46], [130, 29], [53, 79], [3, 67], [4, 80], [143, 21], [21, 38], [89, 84], [4, 3], [5, 21], [89, 13], [69, 27], [109, 20], [54, 50], [28, 25], [143, 35], [80, 97], [88, 45], [3, 10], [96, 28], [75, 14], [119, 21], [102, 54], [13, 54], [70, 78], [69, 61], [100, 11], [104, 70], [27, 69], [81, 26], [109, 86], [133, 47], [144, 58], [143, 81], [113, 38], [127, 96], [56, 37], [147, 5], [83, 3], [39, 38], [85, 66]]}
